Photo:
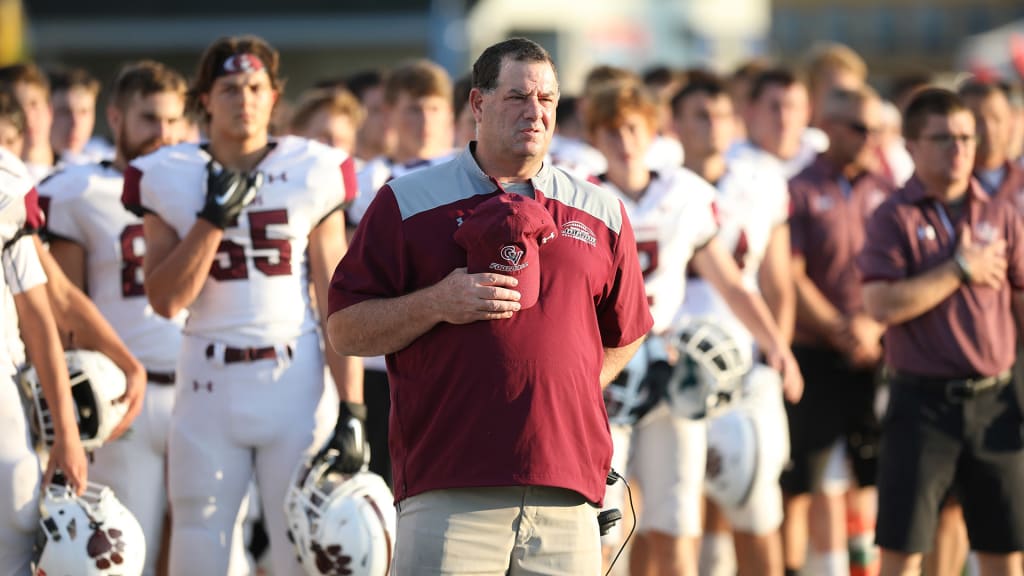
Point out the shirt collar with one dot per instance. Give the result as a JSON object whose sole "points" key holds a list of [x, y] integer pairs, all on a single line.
{"points": [[914, 191], [829, 169], [467, 162]]}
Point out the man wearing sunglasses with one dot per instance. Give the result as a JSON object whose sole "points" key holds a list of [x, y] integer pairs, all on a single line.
{"points": [[836, 343], [943, 268]]}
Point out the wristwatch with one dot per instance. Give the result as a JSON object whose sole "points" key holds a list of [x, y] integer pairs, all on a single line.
{"points": [[962, 269]]}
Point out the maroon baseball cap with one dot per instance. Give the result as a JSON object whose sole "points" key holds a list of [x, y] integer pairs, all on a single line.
{"points": [[504, 234]]}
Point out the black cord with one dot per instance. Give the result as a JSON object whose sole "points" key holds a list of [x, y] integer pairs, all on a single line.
{"points": [[632, 528]]}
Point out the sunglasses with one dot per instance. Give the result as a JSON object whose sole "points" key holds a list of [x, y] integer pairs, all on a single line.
{"points": [[862, 128]]}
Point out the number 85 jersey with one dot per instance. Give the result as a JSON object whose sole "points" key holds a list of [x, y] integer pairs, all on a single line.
{"points": [[257, 293]]}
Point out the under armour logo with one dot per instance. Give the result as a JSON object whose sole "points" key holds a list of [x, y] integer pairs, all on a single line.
{"points": [[196, 386], [280, 177], [512, 254]]}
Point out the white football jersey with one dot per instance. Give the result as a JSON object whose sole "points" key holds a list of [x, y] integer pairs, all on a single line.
{"points": [[84, 206], [576, 156], [752, 200], [812, 142], [674, 218], [374, 174], [257, 293], [665, 153], [19, 211]]}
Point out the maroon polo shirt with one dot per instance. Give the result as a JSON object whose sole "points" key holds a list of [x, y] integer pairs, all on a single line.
{"points": [[972, 332], [503, 402], [1012, 188], [827, 228]]}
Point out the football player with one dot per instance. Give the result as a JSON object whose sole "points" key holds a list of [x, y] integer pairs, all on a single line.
{"points": [[752, 208], [236, 230], [673, 217], [19, 464], [99, 245]]}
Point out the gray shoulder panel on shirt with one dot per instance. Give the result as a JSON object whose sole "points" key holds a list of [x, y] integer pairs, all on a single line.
{"points": [[462, 178], [436, 186], [583, 196]]}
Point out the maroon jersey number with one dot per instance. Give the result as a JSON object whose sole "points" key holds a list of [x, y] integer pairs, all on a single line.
{"points": [[741, 251], [230, 262], [132, 255], [258, 222], [647, 253]]}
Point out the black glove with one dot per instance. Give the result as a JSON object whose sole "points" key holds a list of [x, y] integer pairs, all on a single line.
{"points": [[227, 193], [349, 439]]}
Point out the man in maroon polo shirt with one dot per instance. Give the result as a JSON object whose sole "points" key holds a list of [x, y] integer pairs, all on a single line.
{"points": [[943, 267], [499, 437], [836, 343], [993, 168]]}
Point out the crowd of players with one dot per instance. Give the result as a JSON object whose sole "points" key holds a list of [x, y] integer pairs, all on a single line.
{"points": [[749, 195]]}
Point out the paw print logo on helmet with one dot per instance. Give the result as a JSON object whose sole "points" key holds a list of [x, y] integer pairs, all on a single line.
{"points": [[340, 524], [88, 535], [331, 561]]}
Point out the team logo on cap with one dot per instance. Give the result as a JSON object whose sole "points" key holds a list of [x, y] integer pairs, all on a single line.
{"points": [[511, 254], [579, 231]]}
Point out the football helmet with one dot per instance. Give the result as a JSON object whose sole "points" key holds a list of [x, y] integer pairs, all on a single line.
{"points": [[748, 443], [88, 535], [733, 457], [708, 372], [340, 523], [96, 383], [640, 385]]}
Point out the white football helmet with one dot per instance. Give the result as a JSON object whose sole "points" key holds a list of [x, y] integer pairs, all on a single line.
{"points": [[88, 535], [640, 385], [733, 457], [748, 443], [96, 382], [708, 371], [340, 523]]}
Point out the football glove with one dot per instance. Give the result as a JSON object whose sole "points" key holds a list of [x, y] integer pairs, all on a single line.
{"points": [[349, 439], [227, 193]]}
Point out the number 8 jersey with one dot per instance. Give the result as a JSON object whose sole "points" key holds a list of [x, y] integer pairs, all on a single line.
{"points": [[82, 204], [257, 293]]}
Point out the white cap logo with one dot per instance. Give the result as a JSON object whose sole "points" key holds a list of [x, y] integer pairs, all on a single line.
{"points": [[511, 254]]}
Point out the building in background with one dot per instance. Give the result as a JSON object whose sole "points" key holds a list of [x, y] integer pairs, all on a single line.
{"points": [[319, 38]]}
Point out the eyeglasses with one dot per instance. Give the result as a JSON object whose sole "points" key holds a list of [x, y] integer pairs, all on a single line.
{"points": [[947, 140]]}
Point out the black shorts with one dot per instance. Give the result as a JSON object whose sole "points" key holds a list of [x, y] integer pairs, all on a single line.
{"points": [[377, 396], [931, 445], [838, 404]]}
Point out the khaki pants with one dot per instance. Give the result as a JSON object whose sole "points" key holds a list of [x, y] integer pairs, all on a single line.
{"points": [[519, 530]]}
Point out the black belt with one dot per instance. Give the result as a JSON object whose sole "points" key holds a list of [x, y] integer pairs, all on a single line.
{"points": [[164, 378], [235, 355], [954, 388]]}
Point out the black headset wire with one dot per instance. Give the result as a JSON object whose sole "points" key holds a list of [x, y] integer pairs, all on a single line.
{"points": [[632, 528]]}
